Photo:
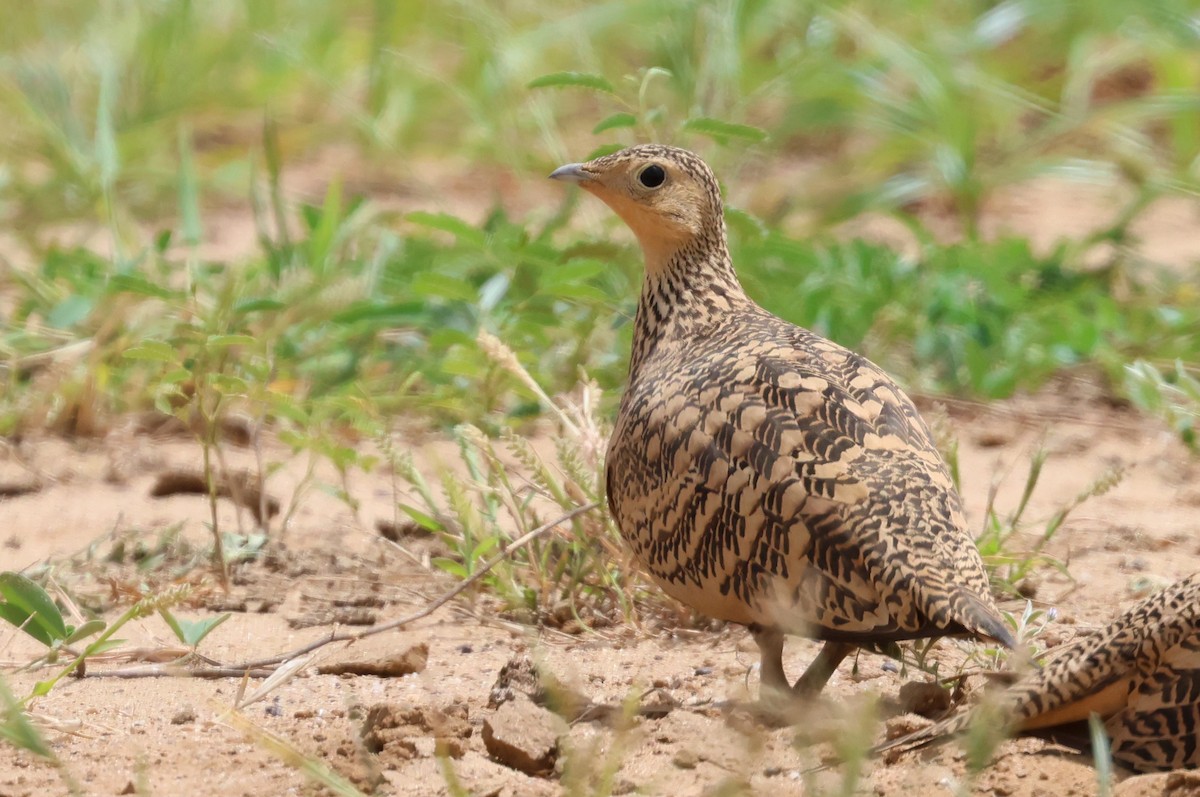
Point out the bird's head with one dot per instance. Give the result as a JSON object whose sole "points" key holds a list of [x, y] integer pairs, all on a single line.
{"points": [[667, 196]]}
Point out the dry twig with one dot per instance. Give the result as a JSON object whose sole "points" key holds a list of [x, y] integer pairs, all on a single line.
{"points": [[264, 668]]}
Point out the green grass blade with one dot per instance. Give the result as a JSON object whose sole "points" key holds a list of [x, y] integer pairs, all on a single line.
{"points": [[28, 605]]}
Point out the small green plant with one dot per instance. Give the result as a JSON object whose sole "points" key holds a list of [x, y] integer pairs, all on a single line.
{"points": [[18, 729], [1174, 397], [585, 575], [191, 632], [1101, 755], [648, 121], [990, 726], [849, 728], [316, 771], [590, 767], [1004, 533], [1027, 629], [26, 605]]}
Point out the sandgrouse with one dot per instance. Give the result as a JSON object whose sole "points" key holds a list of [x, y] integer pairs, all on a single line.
{"points": [[1140, 673], [762, 474]]}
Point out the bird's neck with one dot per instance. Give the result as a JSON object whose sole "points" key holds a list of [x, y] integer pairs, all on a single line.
{"points": [[684, 293]]}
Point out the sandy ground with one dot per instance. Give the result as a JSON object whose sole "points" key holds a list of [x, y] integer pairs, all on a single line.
{"points": [[169, 736], [172, 736]]}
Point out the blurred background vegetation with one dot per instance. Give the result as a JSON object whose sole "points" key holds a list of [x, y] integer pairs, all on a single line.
{"points": [[309, 210]]}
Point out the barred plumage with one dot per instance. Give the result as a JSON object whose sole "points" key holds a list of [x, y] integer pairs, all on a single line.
{"points": [[1140, 673], [763, 474]]}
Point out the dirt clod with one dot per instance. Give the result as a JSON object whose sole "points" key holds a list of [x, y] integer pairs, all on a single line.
{"points": [[1181, 783], [337, 616], [242, 487], [926, 699], [519, 676], [524, 736], [410, 661], [393, 531], [18, 488], [903, 725], [183, 716], [391, 731], [686, 759]]}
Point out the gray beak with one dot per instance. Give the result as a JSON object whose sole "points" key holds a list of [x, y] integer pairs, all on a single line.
{"points": [[571, 173]]}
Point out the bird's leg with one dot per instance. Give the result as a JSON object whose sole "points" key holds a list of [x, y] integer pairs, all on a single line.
{"points": [[822, 667], [770, 646]]}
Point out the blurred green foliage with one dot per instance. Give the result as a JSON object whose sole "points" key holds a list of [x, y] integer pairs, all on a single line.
{"points": [[133, 118]]}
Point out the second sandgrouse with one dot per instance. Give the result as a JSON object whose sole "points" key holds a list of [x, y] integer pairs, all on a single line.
{"points": [[762, 474], [1140, 674]]}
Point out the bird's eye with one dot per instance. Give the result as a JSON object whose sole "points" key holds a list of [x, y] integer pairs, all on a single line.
{"points": [[652, 176]]}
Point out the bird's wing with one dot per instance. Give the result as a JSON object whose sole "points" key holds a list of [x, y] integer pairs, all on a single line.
{"points": [[793, 464], [1159, 727], [893, 513]]}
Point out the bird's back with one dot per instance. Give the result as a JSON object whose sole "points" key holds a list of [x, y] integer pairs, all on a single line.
{"points": [[766, 475]]}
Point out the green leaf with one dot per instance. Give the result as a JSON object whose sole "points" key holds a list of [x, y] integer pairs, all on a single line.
{"points": [[420, 518], [602, 150], [442, 286], [85, 630], [17, 729], [20, 618], [573, 271], [154, 351], [221, 341], [192, 632], [106, 645], [570, 280], [450, 566], [175, 376], [395, 313], [106, 152], [258, 305], [189, 193], [137, 284], [1102, 754], [615, 121], [492, 291], [70, 312], [27, 605], [324, 235], [451, 224], [716, 129], [162, 241], [745, 223], [486, 546], [578, 80]]}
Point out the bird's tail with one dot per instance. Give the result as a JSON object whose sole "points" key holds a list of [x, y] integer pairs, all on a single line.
{"points": [[983, 619]]}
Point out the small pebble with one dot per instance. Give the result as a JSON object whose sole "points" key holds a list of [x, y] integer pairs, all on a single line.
{"points": [[704, 671], [183, 716], [685, 759]]}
